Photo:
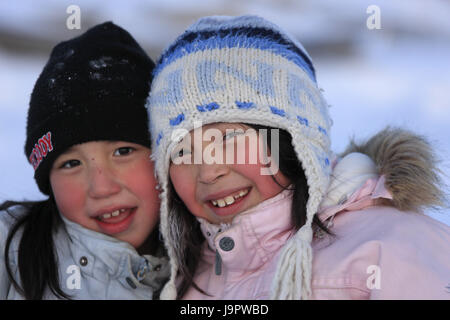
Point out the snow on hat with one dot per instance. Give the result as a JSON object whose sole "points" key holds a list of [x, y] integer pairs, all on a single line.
{"points": [[243, 69], [93, 87]]}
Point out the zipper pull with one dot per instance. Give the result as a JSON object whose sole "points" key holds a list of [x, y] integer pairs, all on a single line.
{"points": [[218, 263], [143, 270]]}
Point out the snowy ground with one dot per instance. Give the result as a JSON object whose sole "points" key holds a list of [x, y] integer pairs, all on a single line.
{"points": [[398, 75]]}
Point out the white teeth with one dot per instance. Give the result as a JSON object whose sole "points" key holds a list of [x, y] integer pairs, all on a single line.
{"points": [[221, 203], [106, 216], [229, 199], [112, 214]]}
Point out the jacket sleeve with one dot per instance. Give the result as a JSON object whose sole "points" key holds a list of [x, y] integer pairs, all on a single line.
{"points": [[5, 284], [414, 262]]}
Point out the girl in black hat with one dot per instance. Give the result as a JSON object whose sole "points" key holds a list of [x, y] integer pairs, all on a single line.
{"points": [[96, 236]]}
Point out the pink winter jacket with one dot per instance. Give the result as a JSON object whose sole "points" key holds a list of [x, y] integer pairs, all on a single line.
{"points": [[376, 252]]}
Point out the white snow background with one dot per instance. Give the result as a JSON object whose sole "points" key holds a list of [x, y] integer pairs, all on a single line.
{"points": [[398, 75]]}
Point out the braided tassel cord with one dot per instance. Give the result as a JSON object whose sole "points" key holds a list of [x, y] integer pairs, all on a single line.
{"points": [[292, 280]]}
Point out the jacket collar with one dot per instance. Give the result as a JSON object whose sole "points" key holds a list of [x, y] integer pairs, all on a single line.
{"points": [[252, 238], [105, 257]]}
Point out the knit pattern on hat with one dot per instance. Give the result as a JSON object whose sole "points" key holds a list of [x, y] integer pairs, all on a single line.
{"points": [[243, 70]]}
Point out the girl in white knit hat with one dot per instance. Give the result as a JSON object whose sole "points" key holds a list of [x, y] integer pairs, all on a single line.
{"points": [[254, 204]]}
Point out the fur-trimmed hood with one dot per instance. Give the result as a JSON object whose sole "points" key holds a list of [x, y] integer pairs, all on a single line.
{"points": [[404, 159]]}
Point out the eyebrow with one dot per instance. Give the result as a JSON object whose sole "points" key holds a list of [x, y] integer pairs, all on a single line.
{"points": [[74, 147]]}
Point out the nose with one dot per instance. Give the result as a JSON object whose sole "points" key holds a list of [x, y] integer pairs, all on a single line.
{"points": [[102, 182], [210, 173]]}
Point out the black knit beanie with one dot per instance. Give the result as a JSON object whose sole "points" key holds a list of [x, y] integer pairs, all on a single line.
{"points": [[93, 88]]}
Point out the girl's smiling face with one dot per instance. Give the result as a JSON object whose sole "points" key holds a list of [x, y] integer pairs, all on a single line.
{"points": [[108, 187], [218, 191]]}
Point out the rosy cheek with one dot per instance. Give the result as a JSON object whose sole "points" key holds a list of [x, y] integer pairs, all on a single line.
{"points": [[184, 185], [142, 180], [180, 181], [265, 184], [69, 196]]}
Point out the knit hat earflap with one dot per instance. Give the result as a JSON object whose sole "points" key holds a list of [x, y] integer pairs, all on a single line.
{"points": [[93, 87], [243, 70]]}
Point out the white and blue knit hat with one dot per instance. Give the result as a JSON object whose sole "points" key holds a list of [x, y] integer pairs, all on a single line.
{"points": [[243, 69]]}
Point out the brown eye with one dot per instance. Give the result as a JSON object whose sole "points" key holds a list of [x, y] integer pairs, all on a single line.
{"points": [[232, 134], [182, 152], [70, 164], [180, 155], [123, 151]]}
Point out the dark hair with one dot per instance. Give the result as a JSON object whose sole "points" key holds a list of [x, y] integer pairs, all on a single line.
{"points": [[188, 228], [36, 260]]}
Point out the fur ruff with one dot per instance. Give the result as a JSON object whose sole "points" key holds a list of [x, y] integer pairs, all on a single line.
{"points": [[410, 167]]}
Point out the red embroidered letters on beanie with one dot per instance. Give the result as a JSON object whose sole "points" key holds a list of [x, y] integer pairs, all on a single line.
{"points": [[41, 149]]}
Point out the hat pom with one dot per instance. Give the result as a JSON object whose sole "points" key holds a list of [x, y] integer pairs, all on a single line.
{"points": [[292, 280]]}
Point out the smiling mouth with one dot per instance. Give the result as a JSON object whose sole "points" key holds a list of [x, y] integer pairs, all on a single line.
{"points": [[229, 200], [107, 216]]}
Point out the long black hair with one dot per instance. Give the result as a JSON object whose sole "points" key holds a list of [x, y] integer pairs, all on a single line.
{"points": [[36, 259], [188, 228]]}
